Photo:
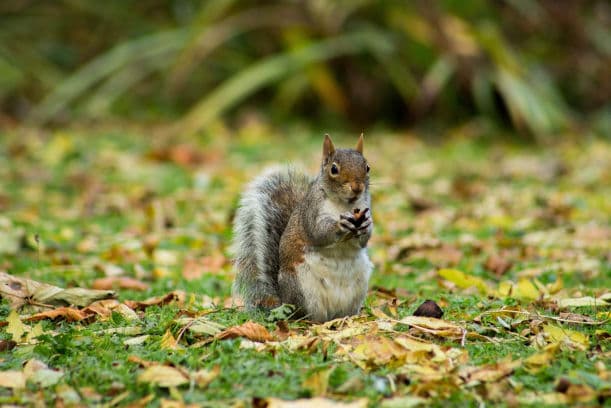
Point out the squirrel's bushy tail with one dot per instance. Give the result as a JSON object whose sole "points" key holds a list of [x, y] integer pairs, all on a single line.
{"points": [[263, 213]]}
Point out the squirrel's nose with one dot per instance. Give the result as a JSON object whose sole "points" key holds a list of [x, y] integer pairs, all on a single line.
{"points": [[357, 188]]}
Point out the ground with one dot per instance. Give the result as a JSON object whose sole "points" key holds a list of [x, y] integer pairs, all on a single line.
{"points": [[512, 241]]}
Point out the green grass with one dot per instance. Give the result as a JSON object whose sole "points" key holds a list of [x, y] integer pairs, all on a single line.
{"points": [[71, 187]]}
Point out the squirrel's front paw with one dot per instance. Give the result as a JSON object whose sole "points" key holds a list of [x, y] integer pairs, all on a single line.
{"points": [[346, 223]]}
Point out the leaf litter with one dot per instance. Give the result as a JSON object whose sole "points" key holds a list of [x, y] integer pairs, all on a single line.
{"points": [[517, 266]]}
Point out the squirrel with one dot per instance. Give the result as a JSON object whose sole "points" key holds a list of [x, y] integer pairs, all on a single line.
{"points": [[303, 241]]}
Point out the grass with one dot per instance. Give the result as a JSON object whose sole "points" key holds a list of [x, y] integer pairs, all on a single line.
{"points": [[96, 199]]}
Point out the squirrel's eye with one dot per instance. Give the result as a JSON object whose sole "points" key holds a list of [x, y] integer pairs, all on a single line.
{"points": [[367, 168], [334, 169]]}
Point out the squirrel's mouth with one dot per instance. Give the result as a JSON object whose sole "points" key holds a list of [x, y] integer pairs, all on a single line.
{"points": [[352, 200]]}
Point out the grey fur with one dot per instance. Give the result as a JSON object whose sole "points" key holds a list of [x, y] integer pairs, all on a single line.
{"points": [[283, 213], [258, 226]]}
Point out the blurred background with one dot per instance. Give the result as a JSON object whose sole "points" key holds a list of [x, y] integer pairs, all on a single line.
{"points": [[537, 69]]}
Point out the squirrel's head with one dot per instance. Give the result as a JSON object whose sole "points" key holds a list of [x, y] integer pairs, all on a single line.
{"points": [[344, 172]]}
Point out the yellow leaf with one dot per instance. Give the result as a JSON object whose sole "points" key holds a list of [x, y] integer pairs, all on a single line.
{"points": [[526, 290], [15, 327], [163, 376], [168, 341], [489, 372], [204, 377], [559, 334], [537, 361], [318, 383], [35, 332], [462, 280]]}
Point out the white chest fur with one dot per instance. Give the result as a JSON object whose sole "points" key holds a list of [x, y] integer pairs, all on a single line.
{"points": [[334, 281]]}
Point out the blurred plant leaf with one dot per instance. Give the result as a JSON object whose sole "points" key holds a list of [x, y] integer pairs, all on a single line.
{"points": [[272, 69]]}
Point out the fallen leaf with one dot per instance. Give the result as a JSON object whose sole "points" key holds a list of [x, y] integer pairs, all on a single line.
{"points": [[105, 308], [195, 268], [19, 291], [136, 341], [318, 382], [177, 296], [250, 330], [403, 402], [200, 325], [498, 264], [559, 334], [488, 372], [204, 377], [586, 301], [39, 373], [168, 342], [15, 327], [542, 359], [70, 314], [462, 280], [119, 282], [12, 379], [163, 376], [434, 326], [314, 402]]}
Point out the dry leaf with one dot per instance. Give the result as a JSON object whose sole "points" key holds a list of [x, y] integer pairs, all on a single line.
{"points": [[204, 377], [314, 402], [434, 326], [15, 327], [168, 342], [250, 330], [587, 301], [318, 382], [489, 372], [543, 359], [119, 282], [559, 334], [19, 291], [68, 313], [462, 280], [104, 309], [195, 268], [12, 379], [177, 296], [163, 376], [39, 373]]}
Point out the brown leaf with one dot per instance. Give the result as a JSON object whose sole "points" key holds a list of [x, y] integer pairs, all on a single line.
{"points": [[119, 282], [141, 362], [498, 264], [176, 296], [250, 330], [195, 268], [70, 314]]}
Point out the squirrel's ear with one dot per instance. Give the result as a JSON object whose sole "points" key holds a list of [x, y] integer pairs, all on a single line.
{"points": [[359, 145], [327, 147]]}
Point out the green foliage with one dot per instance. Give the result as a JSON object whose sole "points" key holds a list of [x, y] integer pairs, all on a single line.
{"points": [[538, 66]]}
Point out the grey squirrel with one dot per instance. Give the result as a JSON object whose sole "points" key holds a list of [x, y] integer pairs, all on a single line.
{"points": [[303, 241]]}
